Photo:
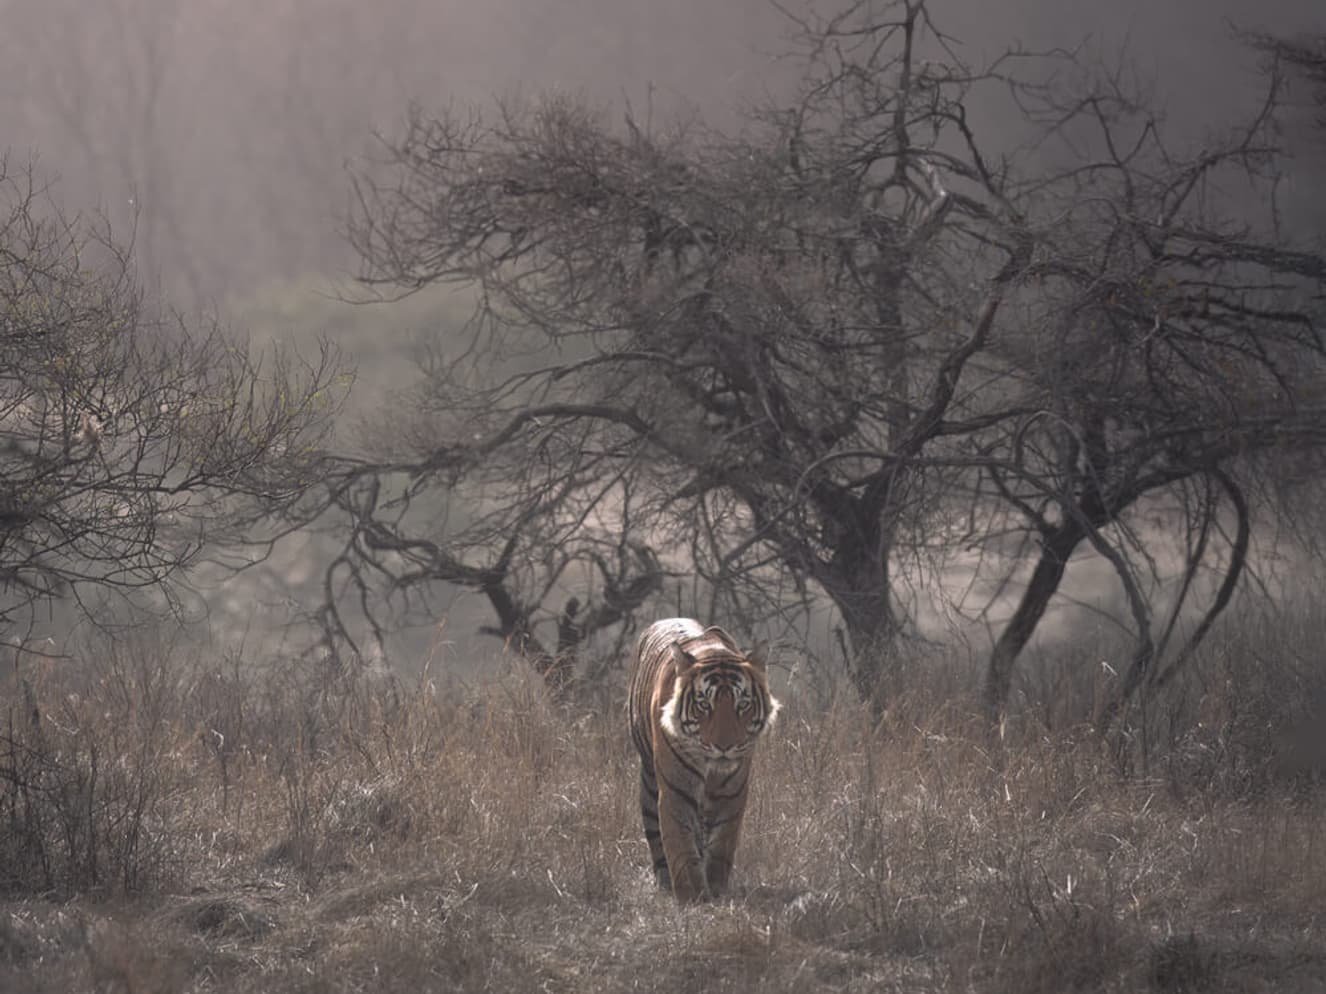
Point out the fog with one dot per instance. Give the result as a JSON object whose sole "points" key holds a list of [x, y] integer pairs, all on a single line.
{"points": [[218, 135], [217, 132]]}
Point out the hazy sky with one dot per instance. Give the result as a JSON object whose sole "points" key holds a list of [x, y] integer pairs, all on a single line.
{"points": [[227, 124]]}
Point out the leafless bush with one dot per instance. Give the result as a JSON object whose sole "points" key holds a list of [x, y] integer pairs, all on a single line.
{"points": [[90, 777]]}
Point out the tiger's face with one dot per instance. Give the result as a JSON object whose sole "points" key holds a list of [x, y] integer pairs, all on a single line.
{"points": [[720, 706]]}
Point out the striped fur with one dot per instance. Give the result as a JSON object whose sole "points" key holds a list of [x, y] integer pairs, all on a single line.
{"points": [[697, 706]]}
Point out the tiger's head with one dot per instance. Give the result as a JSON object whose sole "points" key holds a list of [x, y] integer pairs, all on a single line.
{"points": [[721, 701]]}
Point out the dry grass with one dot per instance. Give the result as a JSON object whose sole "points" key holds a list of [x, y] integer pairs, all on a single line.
{"points": [[179, 826]]}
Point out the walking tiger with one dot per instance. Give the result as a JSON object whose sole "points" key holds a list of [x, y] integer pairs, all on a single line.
{"points": [[697, 706]]}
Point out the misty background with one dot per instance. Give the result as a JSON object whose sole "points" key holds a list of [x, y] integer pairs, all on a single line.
{"points": [[219, 136], [219, 131]]}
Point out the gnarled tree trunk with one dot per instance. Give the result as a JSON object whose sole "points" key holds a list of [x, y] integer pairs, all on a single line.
{"points": [[1056, 548]]}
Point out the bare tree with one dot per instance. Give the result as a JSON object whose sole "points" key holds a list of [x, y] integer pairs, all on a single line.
{"points": [[1176, 343], [128, 447], [1306, 55], [813, 351], [759, 338], [1180, 353]]}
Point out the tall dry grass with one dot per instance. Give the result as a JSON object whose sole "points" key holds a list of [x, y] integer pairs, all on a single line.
{"points": [[176, 822]]}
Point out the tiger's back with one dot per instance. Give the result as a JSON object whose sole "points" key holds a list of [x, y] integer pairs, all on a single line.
{"points": [[652, 655], [696, 707]]}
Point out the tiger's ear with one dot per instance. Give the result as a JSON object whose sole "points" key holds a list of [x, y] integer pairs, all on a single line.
{"points": [[759, 656], [681, 659]]}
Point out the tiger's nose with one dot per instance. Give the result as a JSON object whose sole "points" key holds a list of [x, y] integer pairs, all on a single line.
{"points": [[728, 733]]}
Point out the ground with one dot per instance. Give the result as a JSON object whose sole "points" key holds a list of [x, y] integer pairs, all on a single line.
{"points": [[224, 833]]}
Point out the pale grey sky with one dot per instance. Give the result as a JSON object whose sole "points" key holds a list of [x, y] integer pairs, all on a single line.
{"points": [[227, 123]]}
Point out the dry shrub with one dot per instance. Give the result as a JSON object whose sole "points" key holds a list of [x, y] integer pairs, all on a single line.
{"points": [[1249, 716], [1246, 715], [90, 772], [1036, 864]]}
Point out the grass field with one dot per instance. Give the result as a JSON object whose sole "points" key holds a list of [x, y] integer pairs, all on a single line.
{"points": [[179, 824]]}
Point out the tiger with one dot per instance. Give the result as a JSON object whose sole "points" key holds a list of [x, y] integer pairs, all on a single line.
{"points": [[697, 706]]}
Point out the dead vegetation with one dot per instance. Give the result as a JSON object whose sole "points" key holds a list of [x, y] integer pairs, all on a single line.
{"points": [[178, 824]]}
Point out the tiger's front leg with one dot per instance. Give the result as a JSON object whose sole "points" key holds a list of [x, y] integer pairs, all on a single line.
{"points": [[724, 811], [681, 831], [680, 787], [720, 854]]}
